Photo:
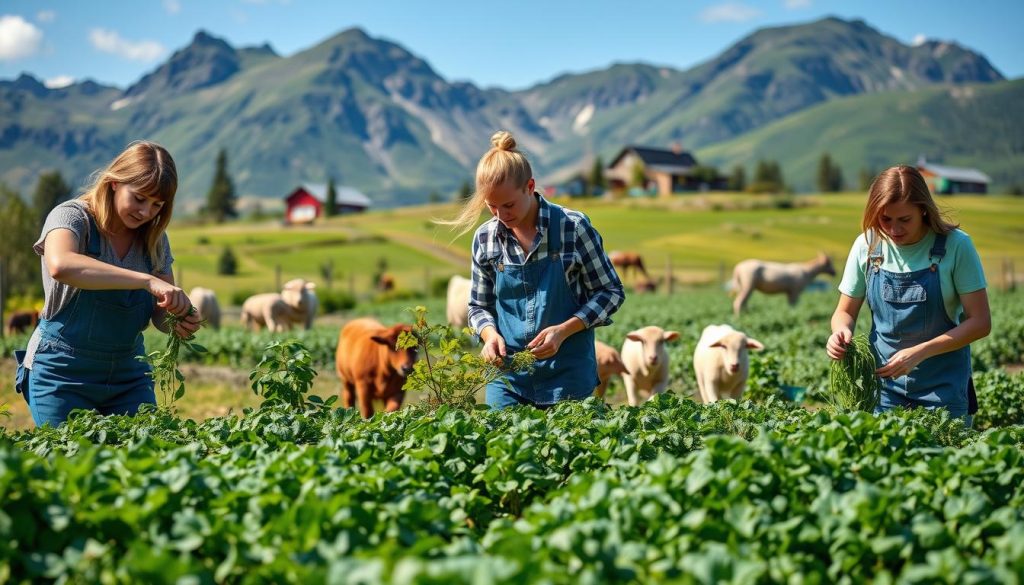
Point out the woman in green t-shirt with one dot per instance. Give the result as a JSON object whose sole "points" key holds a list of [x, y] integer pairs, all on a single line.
{"points": [[923, 280]]}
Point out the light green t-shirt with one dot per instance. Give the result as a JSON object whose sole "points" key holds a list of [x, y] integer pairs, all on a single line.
{"points": [[960, 271]]}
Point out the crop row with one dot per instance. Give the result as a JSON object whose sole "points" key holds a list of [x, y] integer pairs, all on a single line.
{"points": [[671, 491]]}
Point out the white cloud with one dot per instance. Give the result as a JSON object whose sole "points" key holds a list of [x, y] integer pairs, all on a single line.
{"points": [[46, 16], [59, 81], [919, 39], [797, 4], [172, 6], [109, 41], [18, 38], [729, 12]]}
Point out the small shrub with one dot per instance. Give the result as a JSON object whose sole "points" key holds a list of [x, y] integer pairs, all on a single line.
{"points": [[333, 301], [238, 296], [285, 376], [446, 374], [227, 264]]}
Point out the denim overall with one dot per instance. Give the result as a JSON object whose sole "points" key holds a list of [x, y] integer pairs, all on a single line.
{"points": [[529, 298], [87, 353], [907, 309]]}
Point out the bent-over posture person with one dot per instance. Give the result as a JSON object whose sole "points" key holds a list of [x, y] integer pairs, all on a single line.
{"points": [[541, 282], [106, 269], [923, 280]]}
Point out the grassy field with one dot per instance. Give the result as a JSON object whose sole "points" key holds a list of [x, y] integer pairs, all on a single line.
{"points": [[701, 236]]}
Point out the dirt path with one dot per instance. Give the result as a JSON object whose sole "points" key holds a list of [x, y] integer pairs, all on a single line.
{"points": [[447, 254]]}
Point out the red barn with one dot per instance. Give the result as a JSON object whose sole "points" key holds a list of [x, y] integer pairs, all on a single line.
{"points": [[306, 203]]}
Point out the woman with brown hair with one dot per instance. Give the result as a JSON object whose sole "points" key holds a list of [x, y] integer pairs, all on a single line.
{"points": [[923, 280], [106, 268]]}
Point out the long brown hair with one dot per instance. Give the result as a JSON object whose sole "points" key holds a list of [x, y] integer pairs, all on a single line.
{"points": [[501, 164], [902, 184], [150, 170]]}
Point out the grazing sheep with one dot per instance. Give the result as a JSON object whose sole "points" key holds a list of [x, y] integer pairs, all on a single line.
{"points": [[205, 302], [457, 309], [776, 277], [280, 311], [21, 321], [370, 367], [609, 363], [646, 361], [722, 363], [627, 261]]}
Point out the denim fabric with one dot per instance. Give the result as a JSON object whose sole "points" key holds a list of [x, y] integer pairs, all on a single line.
{"points": [[87, 355], [531, 297], [907, 309]]}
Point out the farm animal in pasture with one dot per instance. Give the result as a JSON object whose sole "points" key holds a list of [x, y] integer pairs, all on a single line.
{"points": [[457, 308], [369, 365], [280, 311], [721, 362], [627, 262], [205, 302], [645, 286], [776, 277], [385, 283], [21, 321], [646, 361], [609, 363]]}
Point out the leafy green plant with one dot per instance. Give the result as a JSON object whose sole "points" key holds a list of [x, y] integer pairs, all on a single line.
{"points": [[452, 376], [852, 381], [285, 376], [166, 376]]}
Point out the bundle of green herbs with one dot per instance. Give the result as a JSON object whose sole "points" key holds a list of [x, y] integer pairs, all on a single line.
{"points": [[167, 378], [852, 382]]}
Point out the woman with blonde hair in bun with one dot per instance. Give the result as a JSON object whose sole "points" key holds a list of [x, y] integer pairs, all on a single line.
{"points": [[541, 281]]}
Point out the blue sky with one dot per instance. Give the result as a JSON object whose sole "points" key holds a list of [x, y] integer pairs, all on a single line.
{"points": [[506, 44]]}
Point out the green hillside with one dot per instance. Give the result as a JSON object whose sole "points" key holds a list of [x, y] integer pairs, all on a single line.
{"points": [[979, 126], [700, 236]]}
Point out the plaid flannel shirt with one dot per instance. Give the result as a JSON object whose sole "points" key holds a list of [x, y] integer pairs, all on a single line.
{"points": [[589, 273]]}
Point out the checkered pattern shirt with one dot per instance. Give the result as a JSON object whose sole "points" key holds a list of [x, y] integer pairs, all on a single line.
{"points": [[589, 273]]}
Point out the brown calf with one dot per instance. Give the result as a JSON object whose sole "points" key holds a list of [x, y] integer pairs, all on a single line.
{"points": [[370, 367], [624, 262], [22, 321]]}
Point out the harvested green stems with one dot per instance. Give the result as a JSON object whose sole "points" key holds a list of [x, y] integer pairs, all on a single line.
{"points": [[167, 378], [852, 382]]}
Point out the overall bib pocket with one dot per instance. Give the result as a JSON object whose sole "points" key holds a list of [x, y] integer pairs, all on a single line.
{"points": [[909, 303]]}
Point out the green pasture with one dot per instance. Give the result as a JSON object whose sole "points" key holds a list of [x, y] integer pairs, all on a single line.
{"points": [[699, 237]]}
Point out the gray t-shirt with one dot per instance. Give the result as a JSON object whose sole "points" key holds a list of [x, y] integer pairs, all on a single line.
{"points": [[71, 215]]}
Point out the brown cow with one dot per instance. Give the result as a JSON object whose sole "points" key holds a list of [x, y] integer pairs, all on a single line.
{"points": [[22, 321], [385, 283], [624, 262], [369, 365], [608, 364]]}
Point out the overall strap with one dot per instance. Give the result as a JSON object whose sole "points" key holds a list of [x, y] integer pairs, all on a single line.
{"points": [[92, 244], [555, 221], [937, 251]]}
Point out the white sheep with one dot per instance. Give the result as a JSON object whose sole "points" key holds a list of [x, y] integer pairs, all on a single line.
{"points": [[722, 363], [280, 311], [646, 361], [205, 302], [776, 277], [457, 309]]}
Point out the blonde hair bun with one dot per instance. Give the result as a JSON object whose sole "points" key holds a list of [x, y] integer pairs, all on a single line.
{"points": [[502, 140]]}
